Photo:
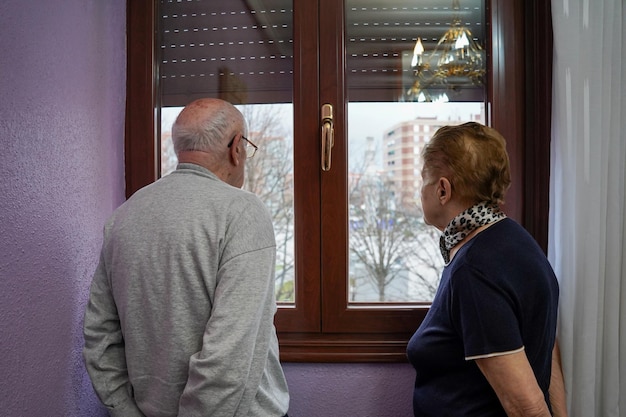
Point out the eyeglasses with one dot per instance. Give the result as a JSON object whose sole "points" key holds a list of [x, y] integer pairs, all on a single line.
{"points": [[254, 147]]}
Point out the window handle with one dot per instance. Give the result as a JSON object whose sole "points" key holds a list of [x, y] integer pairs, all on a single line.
{"points": [[328, 135]]}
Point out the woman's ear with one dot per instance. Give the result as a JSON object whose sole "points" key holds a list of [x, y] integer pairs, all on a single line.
{"points": [[444, 190]]}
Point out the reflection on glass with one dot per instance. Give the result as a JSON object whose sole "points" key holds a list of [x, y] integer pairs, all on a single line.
{"points": [[394, 255]]}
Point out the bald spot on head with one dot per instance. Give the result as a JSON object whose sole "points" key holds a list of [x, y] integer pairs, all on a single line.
{"points": [[201, 134], [198, 112]]}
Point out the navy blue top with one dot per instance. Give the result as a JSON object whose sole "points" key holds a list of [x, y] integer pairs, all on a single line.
{"points": [[497, 295]]}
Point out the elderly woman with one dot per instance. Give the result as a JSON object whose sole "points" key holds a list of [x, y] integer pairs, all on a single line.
{"points": [[486, 346]]}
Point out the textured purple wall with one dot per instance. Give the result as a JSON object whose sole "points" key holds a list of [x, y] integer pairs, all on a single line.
{"points": [[350, 390], [62, 89], [62, 67]]}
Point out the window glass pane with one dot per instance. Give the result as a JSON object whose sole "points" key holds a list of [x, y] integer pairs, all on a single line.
{"points": [[396, 104], [237, 50], [242, 52], [270, 176]]}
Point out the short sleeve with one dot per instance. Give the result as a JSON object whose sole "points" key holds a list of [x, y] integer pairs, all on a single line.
{"points": [[485, 314]]}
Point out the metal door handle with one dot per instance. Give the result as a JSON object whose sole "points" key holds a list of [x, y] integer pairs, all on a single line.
{"points": [[328, 136]]}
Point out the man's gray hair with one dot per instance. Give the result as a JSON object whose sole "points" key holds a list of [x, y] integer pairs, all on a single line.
{"points": [[207, 133]]}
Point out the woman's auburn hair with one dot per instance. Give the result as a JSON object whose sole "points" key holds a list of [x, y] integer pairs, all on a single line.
{"points": [[473, 158]]}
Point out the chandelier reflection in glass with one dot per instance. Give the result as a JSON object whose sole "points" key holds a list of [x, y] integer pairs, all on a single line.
{"points": [[457, 61]]}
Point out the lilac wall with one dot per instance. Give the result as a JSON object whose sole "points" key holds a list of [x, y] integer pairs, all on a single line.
{"points": [[62, 89], [350, 390]]}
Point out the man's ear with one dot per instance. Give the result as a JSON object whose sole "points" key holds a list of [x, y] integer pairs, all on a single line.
{"points": [[444, 190], [235, 150]]}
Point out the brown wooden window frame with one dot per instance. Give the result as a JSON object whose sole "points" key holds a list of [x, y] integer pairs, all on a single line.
{"points": [[519, 91]]}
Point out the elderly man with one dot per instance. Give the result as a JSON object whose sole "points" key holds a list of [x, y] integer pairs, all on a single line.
{"points": [[180, 314]]}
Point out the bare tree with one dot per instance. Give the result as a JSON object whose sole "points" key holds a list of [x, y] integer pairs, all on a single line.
{"points": [[393, 250], [168, 157], [270, 175]]}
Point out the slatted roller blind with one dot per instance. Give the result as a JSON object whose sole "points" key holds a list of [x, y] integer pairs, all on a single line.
{"points": [[242, 50]]}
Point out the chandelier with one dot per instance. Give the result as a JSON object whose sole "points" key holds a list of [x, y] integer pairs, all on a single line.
{"points": [[457, 61]]}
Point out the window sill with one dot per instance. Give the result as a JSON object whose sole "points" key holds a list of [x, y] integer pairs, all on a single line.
{"points": [[308, 347]]}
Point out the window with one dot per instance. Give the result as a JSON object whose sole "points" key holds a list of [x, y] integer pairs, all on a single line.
{"points": [[328, 321]]}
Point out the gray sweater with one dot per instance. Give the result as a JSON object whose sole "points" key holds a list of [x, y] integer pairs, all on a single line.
{"points": [[180, 314]]}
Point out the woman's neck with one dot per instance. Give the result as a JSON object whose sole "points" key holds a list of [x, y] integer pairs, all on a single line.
{"points": [[469, 237]]}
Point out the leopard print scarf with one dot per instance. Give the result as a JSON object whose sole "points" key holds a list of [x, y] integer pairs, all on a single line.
{"points": [[466, 222]]}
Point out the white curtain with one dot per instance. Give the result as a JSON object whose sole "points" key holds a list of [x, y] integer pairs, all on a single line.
{"points": [[587, 238]]}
